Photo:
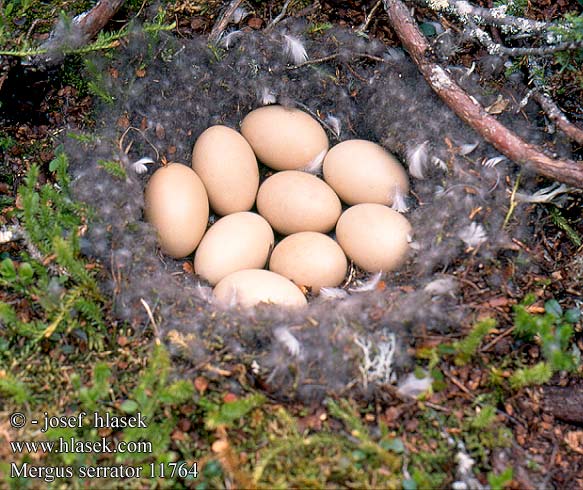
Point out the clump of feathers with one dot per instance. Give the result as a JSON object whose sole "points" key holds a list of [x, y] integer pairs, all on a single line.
{"points": [[354, 336]]}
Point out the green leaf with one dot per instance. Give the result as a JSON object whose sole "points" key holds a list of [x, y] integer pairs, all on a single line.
{"points": [[501, 480], [7, 314], [409, 484], [554, 308], [25, 272], [395, 444], [7, 270], [572, 315], [129, 406], [428, 29]]}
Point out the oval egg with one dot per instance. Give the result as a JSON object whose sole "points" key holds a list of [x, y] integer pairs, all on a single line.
{"points": [[226, 164], [252, 286], [294, 201], [374, 236], [284, 138], [361, 171], [235, 242], [309, 259], [176, 204]]}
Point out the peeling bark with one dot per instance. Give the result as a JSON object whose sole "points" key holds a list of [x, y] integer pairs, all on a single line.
{"points": [[470, 111]]}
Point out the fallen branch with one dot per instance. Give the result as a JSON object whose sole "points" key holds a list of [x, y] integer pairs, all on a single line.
{"points": [[498, 17], [470, 111], [556, 115], [83, 28], [495, 48], [549, 106]]}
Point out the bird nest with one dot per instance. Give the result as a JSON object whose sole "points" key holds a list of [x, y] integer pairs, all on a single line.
{"points": [[159, 93]]}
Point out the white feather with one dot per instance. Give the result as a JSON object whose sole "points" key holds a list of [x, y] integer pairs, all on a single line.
{"points": [[227, 40], [315, 165], [492, 162], [439, 163], [369, 285], [139, 166], [266, 96], [295, 49], [283, 335], [468, 148], [441, 287], [335, 124], [473, 235], [417, 158], [547, 194], [399, 201], [239, 14], [414, 386], [332, 293]]}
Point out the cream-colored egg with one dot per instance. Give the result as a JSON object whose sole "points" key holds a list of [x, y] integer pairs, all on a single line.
{"points": [[374, 236], [284, 138], [235, 242], [294, 201], [226, 164], [309, 259], [252, 286], [361, 171], [176, 204]]}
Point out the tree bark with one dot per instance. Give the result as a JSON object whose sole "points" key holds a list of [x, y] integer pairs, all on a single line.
{"points": [[564, 403], [470, 111]]}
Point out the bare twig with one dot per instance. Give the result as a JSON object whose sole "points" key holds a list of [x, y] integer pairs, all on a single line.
{"points": [[223, 21], [331, 57], [369, 17], [470, 111], [281, 15]]}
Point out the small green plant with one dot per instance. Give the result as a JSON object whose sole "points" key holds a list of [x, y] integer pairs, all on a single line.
{"points": [[501, 480], [150, 401], [226, 414], [52, 276], [553, 331], [467, 348]]}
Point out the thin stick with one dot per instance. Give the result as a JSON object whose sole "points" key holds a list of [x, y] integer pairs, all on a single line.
{"points": [[369, 17], [497, 339], [223, 21], [281, 15], [150, 315], [470, 111]]}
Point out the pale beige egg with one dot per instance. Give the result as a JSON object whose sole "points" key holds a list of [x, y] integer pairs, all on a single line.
{"points": [[309, 259], [252, 286], [361, 171], [235, 242], [294, 201], [176, 204], [284, 138], [226, 164], [374, 236]]}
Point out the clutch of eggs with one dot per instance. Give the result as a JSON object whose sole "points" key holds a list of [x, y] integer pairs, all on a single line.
{"points": [[234, 253]]}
